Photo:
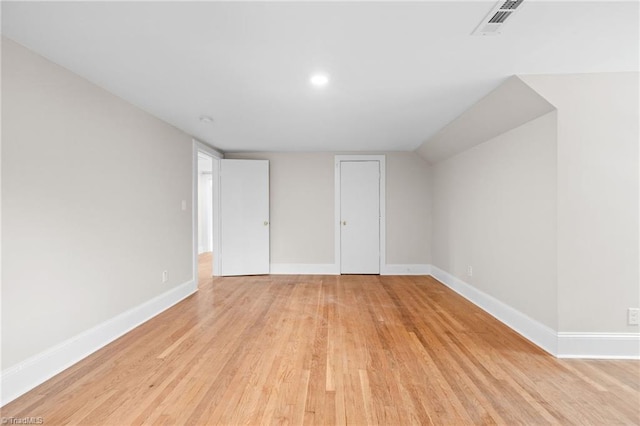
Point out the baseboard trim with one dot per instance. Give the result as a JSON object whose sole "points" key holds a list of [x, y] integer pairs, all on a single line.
{"points": [[28, 374], [532, 330], [304, 269], [599, 345], [406, 269], [559, 344], [331, 269]]}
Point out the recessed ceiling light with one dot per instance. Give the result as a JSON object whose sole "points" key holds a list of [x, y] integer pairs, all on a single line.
{"points": [[206, 119], [319, 79]]}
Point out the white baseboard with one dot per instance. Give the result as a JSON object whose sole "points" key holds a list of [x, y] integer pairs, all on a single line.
{"points": [[599, 345], [407, 269], [532, 330], [332, 269], [37, 369], [560, 344], [304, 269]]}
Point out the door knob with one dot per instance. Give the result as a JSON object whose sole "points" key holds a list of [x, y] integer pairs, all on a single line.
{"points": [[266, 222], [344, 223]]}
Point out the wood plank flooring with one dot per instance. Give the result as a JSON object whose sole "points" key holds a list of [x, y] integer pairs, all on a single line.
{"points": [[360, 350]]}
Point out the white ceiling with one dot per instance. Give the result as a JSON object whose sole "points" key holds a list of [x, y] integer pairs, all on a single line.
{"points": [[400, 71]]}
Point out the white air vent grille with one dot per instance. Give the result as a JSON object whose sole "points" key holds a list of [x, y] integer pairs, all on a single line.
{"points": [[494, 21], [511, 5], [499, 17]]}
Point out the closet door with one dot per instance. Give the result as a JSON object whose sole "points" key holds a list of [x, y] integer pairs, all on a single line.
{"points": [[360, 217]]}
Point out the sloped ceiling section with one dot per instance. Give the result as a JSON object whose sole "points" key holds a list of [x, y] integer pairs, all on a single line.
{"points": [[512, 104]]}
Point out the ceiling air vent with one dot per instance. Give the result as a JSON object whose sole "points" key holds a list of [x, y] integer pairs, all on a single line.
{"points": [[511, 5], [494, 21]]}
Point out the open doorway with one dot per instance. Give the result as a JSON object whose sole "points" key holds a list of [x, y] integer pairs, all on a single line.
{"points": [[206, 221], [205, 215]]}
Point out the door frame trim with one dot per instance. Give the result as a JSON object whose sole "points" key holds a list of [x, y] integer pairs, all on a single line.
{"points": [[383, 217], [216, 157]]}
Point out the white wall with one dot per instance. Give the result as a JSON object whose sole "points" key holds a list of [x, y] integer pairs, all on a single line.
{"points": [[510, 105], [408, 209], [494, 209], [598, 185], [91, 205], [481, 219], [302, 207]]}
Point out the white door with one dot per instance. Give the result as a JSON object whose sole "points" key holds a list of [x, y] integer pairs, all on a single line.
{"points": [[360, 217], [244, 216]]}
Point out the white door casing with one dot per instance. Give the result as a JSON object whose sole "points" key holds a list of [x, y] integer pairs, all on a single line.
{"points": [[244, 213], [200, 148]]}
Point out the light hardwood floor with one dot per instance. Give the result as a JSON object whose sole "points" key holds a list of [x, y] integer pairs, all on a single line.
{"points": [[331, 350]]}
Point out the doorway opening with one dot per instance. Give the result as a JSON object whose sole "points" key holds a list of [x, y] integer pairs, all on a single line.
{"points": [[206, 217]]}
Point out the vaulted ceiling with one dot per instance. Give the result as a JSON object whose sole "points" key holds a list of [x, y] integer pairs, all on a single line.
{"points": [[399, 71]]}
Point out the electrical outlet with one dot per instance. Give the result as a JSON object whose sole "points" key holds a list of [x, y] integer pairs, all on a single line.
{"points": [[165, 276], [633, 316], [470, 270]]}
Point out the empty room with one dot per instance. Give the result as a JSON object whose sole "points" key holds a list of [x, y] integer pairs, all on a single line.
{"points": [[322, 212]]}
